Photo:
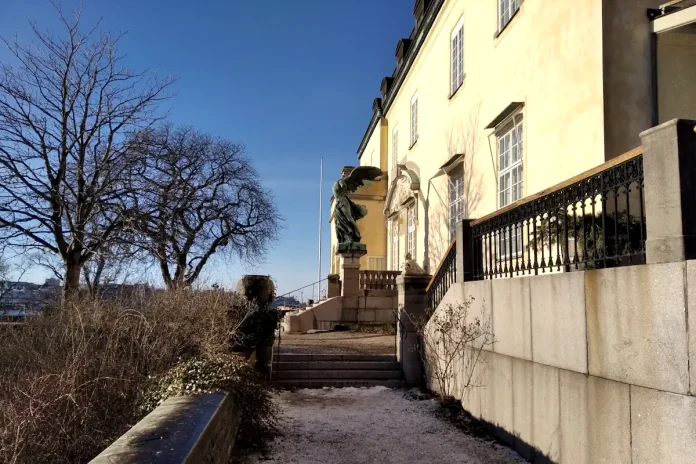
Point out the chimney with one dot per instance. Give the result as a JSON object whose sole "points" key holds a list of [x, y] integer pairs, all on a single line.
{"points": [[386, 86], [401, 51], [419, 11], [377, 106]]}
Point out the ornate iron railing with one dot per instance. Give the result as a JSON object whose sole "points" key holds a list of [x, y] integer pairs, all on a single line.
{"points": [[595, 220], [443, 278], [378, 280]]}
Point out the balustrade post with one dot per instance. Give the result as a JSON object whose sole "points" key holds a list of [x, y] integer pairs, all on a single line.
{"points": [[413, 301], [669, 164], [465, 251], [334, 287]]}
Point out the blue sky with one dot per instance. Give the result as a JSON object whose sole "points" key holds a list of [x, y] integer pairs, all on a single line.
{"points": [[292, 80]]}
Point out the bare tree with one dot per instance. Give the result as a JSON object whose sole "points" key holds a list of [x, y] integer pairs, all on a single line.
{"points": [[198, 195], [113, 264], [66, 109]]}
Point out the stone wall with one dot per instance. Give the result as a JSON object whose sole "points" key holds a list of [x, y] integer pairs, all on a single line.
{"points": [[588, 367], [199, 429], [371, 306]]}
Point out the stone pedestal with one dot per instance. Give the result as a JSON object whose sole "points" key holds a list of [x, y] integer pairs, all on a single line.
{"points": [[413, 301], [350, 267], [669, 164], [334, 287]]}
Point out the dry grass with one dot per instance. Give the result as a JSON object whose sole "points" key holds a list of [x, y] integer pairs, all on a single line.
{"points": [[71, 379]]}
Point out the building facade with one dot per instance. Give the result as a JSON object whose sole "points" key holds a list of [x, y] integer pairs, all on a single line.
{"points": [[492, 101]]}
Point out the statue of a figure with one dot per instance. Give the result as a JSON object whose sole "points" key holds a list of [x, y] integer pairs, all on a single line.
{"points": [[347, 213]]}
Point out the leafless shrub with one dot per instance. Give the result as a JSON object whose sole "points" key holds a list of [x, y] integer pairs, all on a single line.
{"points": [[71, 379], [453, 341]]}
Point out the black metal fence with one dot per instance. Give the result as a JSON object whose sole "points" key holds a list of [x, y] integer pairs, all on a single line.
{"points": [[594, 222], [445, 276]]}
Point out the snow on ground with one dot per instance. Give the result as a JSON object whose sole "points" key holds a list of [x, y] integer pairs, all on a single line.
{"points": [[372, 425]]}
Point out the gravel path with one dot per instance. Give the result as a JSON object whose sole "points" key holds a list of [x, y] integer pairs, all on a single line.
{"points": [[372, 425]]}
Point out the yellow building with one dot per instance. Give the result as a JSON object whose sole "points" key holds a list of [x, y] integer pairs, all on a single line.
{"points": [[492, 101]]}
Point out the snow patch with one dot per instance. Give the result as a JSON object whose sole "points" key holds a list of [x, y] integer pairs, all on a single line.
{"points": [[377, 424]]}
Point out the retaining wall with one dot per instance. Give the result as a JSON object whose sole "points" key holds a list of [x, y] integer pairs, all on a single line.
{"points": [[199, 429], [589, 367]]}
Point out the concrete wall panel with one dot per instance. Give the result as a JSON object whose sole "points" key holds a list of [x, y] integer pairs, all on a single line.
{"points": [[523, 403], [496, 391], [558, 320], [663, 427], [595, 420], [636, 324], [512, 317], [547, 418], [691, 308]]}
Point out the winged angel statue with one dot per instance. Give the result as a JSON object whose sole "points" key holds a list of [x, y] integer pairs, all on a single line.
{"points": [[347, 213]]}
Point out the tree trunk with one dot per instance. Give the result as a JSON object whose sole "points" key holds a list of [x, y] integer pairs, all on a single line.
{"points": [[71, 281]]}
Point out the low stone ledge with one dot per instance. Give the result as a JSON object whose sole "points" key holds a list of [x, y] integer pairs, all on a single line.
{"points": [[184, 429]]}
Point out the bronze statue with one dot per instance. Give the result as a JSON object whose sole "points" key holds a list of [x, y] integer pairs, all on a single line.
{"points": [[347, 213]]}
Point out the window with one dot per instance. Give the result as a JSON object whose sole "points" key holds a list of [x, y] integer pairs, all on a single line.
{"points": [[510, 151], [506, 10], [395, 245], [411, 231], [395, 146], [457, 57], [456, 200], [414, 120]]}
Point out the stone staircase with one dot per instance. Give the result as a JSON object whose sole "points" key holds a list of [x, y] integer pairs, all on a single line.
{"points": [[337, 370]]}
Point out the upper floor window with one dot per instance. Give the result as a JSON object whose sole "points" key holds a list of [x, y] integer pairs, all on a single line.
{"points": [[414, 120], [457, 57], [456, 199], [411, 231], [506, 10], [395, 244], [395, 146]]}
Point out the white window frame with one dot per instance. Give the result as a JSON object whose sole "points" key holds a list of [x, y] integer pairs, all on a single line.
{"points": [[506, 11], [414, 119], [510, 141], [411, 223], [456, 199], [395, 244], [395, 146], [457, 57]]}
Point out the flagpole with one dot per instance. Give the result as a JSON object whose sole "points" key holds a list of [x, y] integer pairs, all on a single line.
{"points": [[321, 175]]}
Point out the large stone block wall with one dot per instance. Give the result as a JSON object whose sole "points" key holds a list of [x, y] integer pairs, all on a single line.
{"points": [[200, 429], [589, 367]]}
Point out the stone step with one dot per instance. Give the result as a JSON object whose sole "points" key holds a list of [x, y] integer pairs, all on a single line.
{"points": [[340, 383], [339, 374], [336, 365], [282, 357]]}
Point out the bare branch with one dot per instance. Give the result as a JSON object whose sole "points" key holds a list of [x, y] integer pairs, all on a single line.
{"points": [[67, 113]]}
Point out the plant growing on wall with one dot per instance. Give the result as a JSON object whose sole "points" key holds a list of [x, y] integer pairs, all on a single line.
{"points": [[452, 344]]}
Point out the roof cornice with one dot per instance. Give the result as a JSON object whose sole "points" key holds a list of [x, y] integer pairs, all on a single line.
{"points": [[416, 42]]}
